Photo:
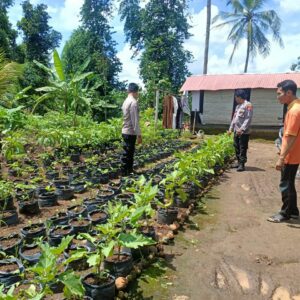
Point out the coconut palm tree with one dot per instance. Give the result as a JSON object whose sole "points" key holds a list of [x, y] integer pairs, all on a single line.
{"points": [[250, 22], [208, 21]]}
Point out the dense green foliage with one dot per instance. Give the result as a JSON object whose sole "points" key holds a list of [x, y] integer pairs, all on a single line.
{"points": [[250, 22], [39, 39], [7, 34], [93, 40], [159, 30]]}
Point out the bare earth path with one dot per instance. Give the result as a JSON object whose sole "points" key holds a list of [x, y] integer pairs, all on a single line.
{"points": [[236, 254]]}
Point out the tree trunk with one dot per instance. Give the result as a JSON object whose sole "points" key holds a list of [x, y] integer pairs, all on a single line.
{"points": [[248, 50], [208, 21]]}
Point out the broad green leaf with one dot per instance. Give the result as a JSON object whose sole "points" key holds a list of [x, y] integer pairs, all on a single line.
{"points": [[134, 240], [82, 76], [58, 66], [94, 260], [73, 284], [108, 250]]}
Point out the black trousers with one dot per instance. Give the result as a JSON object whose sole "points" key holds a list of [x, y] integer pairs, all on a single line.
{"points": [[241, 147], [288, 190], [128, 153]]}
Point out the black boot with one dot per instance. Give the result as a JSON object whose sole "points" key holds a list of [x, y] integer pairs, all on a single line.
{"points": [[241, 167], [235, 164]]}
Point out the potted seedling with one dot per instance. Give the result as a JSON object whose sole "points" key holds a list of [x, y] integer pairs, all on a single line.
{"points": [[25, 194], [119, 262], [49, 272], [167, 213], [8, 213]]}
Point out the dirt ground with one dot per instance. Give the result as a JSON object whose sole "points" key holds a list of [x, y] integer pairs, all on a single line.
{"points": [[229, 250]]}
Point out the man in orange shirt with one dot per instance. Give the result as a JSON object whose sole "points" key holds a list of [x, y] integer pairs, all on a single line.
{"points": [[289, 158]]}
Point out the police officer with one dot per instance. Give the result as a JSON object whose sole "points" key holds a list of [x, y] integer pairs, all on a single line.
{"points": [[240, 125]]}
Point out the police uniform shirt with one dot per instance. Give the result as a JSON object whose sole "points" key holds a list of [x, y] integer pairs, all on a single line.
{"points": [[242, 117]]}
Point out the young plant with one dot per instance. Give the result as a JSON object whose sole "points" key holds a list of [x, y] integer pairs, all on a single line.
{"points": [[144, 194], [30, 294], [48, 271], [116, 233], [173, 184]]}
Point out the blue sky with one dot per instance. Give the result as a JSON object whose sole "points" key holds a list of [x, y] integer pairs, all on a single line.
{"points": [[65, 18]]}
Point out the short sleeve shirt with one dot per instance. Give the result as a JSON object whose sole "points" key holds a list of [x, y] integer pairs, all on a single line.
{"points": [[292, 128]]}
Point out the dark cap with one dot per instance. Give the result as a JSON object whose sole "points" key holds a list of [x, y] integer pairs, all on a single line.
{"points": [[132, 88]]}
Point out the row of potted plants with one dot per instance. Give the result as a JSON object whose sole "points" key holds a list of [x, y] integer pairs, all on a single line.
{"points": [[125, 223]]}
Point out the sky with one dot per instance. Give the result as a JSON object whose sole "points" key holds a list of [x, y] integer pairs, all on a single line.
{"points": [[65, 18]]}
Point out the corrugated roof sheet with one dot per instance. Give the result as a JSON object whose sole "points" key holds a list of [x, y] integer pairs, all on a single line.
{"points": [[237, 81]]}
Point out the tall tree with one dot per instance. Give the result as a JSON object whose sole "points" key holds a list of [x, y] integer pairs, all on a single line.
{"points": [[160, 30], [7, 34], [207, 35], [39, 39], [95, 15], [249, 22]]}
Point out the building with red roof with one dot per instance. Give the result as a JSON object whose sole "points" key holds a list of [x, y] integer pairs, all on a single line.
{"points": [[213, 96]]}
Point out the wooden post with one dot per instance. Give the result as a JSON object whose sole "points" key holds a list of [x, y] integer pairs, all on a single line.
{"points": [[194, 123], [156, 107]]}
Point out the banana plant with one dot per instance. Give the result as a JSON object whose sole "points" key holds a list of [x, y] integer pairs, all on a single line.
{"points": [[73, 92]]}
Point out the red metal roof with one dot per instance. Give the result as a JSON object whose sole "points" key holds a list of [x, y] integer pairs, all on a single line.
{"points": [[237, 81]]}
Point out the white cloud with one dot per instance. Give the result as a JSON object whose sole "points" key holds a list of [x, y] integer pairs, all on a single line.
{"points": [[130, 71], [66, 18], [290, 6], [220, 49]]}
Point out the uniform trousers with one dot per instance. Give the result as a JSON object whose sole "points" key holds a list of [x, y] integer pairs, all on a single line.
{"points": [[241, 147], [288, 190], [128, 153]]}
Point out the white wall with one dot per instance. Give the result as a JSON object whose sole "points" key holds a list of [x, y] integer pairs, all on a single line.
{"points": [[266, 108], [195, 100], [218, 106]]}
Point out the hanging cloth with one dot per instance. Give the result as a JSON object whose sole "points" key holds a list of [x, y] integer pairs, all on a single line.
{"points": [[168, 108], [179, 116], [185, 103], [175, 105]]}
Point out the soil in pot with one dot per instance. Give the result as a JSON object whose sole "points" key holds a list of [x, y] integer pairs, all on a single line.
{"points": [[57, 233], [98, 217], [9, 217], [30, 207], [78, 186], [61, 182], [10, 244], [10, 270], [64, 193], [167, 215], [77, 210], [33, 231], [99, 288], [30, 253], [80, 225], [119, 264], [61, 218], [47, 199], [105, 194]]}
